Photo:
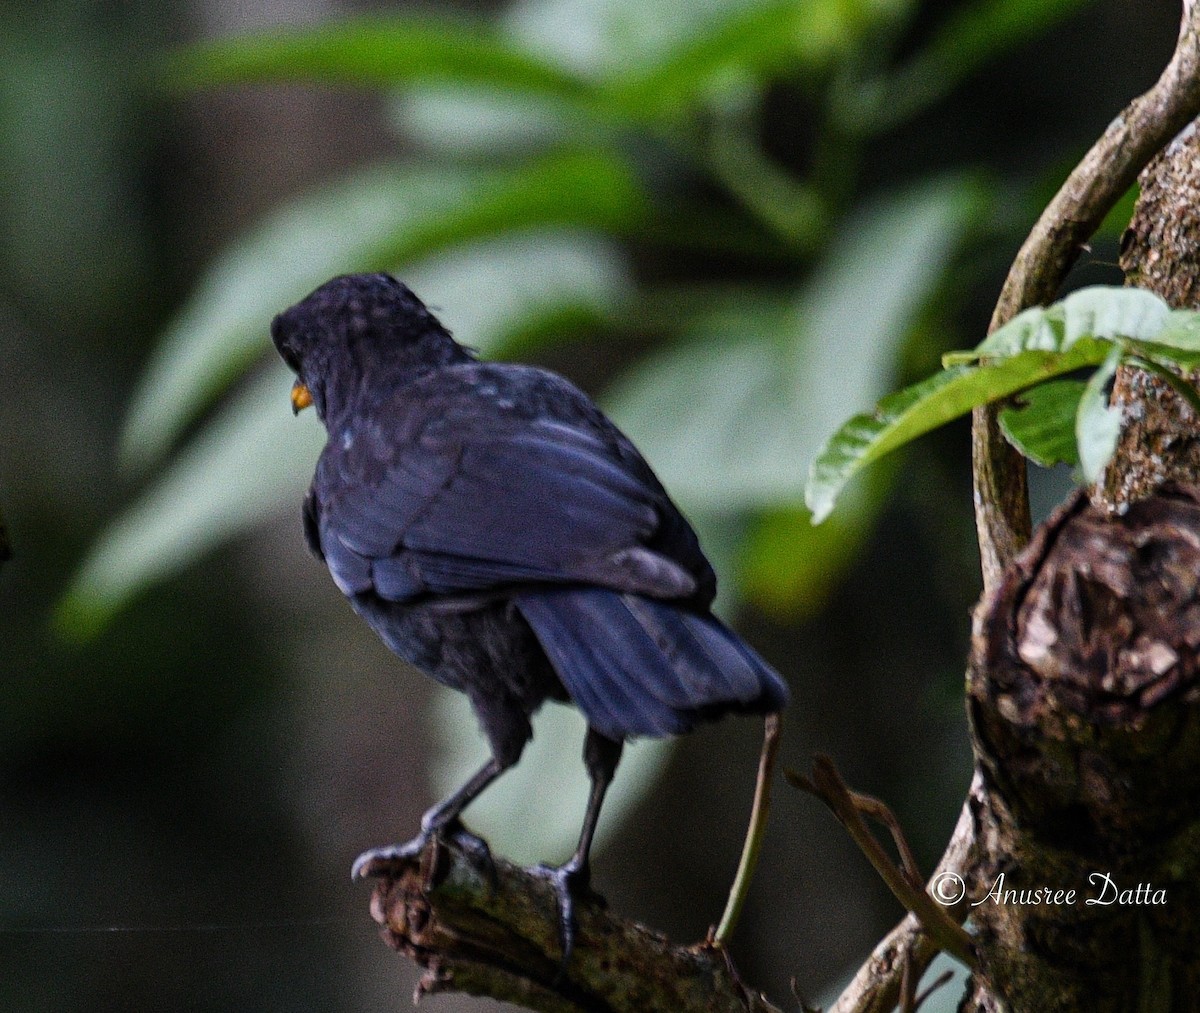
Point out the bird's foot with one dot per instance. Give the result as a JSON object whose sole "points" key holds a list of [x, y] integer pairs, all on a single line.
{"points": [[387, 861], [571, 884]]}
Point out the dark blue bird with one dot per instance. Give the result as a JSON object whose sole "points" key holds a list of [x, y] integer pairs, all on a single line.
{"points": [[501, 534]]}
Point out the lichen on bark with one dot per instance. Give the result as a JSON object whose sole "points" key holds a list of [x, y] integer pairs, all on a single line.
{"points": [[1160, 251]]}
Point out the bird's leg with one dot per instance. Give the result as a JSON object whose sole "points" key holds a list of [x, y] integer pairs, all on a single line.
{"points": [[572, 881], [437, 820]]}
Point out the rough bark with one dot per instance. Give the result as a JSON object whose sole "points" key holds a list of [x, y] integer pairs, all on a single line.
{"points": [[1083, 694], [1160, 252], [1071, 734], [499, 937]]}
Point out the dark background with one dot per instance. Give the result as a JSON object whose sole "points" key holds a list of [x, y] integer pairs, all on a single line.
{"points": [[181, 796]]}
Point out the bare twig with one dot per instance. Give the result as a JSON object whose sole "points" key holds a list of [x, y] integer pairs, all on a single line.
{"points": [[908, 984], [934, 985], [772, 730], [500, 938], [876, 986], [879, 812], [1106, 172], [827, 785]]}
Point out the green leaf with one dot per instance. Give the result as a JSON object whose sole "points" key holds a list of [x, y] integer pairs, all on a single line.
{"points": [[517, 814], [731, 416], [789, 565], [1180, 334], [1097, 426], [1107, 313], [475, 122], [375, 221], [1102, 312], [377, 52], [794, 210], [251, 462], [1042, 423], [914, 411]]}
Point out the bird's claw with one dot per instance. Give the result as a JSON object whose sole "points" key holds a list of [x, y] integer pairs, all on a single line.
{"points": [[571, 884], [388, 860]]}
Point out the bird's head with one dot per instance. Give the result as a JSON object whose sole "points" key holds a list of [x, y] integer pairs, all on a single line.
{"points": [[354, 327]]}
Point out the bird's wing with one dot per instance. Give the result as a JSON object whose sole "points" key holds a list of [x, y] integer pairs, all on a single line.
{"points": [[495, 499]]}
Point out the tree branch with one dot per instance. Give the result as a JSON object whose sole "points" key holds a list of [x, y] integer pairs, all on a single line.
{"points": [[500, 938], [876, 986], [904, 881], [1106, 172], [1083, 681]]}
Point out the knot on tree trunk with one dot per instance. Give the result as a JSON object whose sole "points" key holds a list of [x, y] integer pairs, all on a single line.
{"points": [[1083, 692]]}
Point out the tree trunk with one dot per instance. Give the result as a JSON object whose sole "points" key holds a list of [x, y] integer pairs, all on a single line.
{"points": [[1083, 699]]}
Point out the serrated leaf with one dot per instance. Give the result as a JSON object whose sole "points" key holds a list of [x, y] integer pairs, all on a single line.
{"points": [[914, 411], [1042, 425], [1097, 426], [374, 221]]}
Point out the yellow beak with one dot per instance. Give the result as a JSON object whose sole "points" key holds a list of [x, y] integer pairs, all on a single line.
{"points": [[301, 397]]}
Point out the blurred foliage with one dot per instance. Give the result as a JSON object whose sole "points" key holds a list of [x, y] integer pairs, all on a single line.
{"points": [[622, 123], [551, 150]]}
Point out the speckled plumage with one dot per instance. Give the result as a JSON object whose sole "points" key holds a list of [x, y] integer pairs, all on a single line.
{"points": [[500, 533]]}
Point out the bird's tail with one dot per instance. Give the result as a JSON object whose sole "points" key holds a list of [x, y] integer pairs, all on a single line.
{"points": [[639, 666]]}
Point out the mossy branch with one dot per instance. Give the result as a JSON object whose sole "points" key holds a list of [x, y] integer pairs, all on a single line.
{"points": [[499, 937]]}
